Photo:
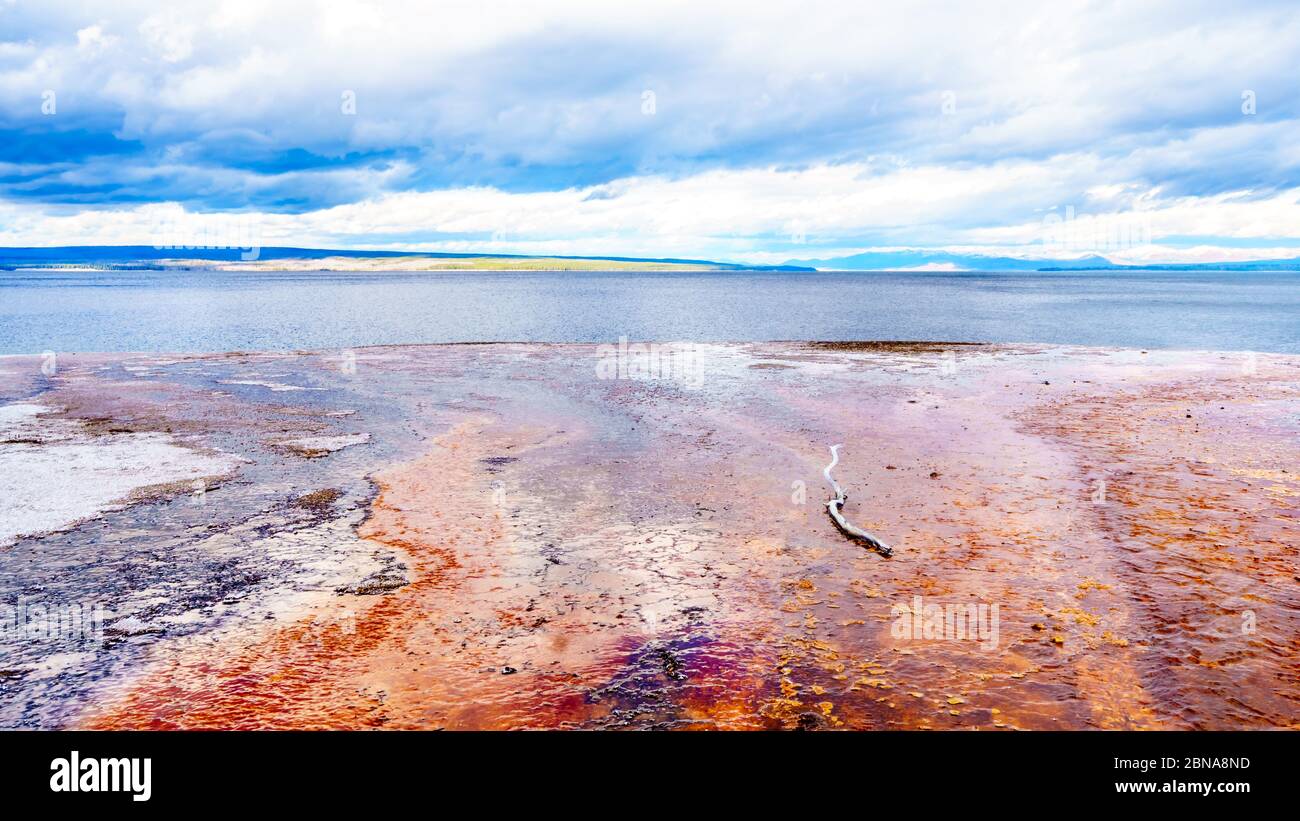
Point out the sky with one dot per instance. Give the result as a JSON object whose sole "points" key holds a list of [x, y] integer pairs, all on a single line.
{"points": [[750, 132]]}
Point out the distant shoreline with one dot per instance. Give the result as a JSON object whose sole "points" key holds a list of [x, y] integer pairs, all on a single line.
{"points": [[282, 258], [259, 258], [491, 265]]}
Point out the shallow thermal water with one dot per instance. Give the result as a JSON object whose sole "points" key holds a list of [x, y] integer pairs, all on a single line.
{"points": [[54, 473], [513, 536]]}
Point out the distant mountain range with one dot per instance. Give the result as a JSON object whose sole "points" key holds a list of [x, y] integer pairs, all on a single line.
{"points": [[146, 257], [940, 261]]}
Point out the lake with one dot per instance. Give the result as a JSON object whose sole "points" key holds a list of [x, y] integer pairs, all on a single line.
{"points": [[217, 311]]}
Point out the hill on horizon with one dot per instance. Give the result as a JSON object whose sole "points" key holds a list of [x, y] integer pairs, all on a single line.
{"points": [[114, 256]]}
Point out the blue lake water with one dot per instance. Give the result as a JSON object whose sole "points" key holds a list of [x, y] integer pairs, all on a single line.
{"points": [[217, 311]]}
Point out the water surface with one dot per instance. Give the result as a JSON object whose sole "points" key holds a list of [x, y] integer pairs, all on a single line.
{"points": [[217, 311]]}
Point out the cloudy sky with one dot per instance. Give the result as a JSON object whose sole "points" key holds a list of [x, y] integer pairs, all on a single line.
{"points": [[750, 131]]}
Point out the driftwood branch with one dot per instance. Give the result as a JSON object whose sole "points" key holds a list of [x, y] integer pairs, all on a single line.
{"points": [[834, 506]]}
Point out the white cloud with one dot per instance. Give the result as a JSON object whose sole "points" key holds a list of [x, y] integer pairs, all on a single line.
{"points": [[524, 119], [718, 214], [169, 38], [92, 39]]}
